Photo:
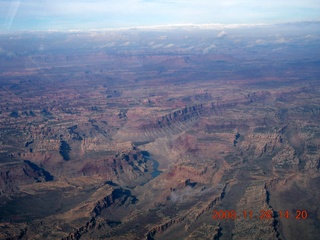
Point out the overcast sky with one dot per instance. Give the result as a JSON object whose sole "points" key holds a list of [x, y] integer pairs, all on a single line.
{"points": [[95, 14]]}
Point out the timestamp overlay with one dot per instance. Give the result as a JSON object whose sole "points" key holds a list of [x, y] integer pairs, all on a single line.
{"points": [[262, 214]]}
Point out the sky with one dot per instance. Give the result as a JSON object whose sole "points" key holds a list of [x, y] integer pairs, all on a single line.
{"points": [[17, 15]]}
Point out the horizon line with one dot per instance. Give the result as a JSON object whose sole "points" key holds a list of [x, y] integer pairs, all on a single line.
{"points": [[167, 27]]}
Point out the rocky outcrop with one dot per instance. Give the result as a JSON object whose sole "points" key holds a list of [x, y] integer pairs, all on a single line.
{"points": [[182, 119], [81, 231], [163, 227], [182, 115], [286, 159], [206, 232], [212, 203], [258, 222], [14, 175], [124, 167], [189, 217], [166, 125], [117, 198]]}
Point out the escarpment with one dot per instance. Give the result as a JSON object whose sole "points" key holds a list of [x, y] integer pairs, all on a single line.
{"points": [[182, 119], [102, 212]]}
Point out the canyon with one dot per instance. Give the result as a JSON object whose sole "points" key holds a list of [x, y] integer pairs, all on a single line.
{"points": [[143, 134]]}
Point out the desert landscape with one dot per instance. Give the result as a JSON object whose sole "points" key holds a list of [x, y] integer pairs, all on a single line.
{"points": [[184, 132]]}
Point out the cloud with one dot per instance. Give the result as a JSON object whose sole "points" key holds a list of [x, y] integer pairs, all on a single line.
{"points": [[280, 49], [260, 42], [125, 44], [222, 34], [157, 46], [41, 47], [108, 45], [208, 49], [282, 40], [189, 48], [164, 37], [181, 194], [169, 45]]}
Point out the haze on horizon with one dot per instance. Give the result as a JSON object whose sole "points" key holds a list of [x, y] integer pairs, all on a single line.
{"points": [[17, 15]]}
